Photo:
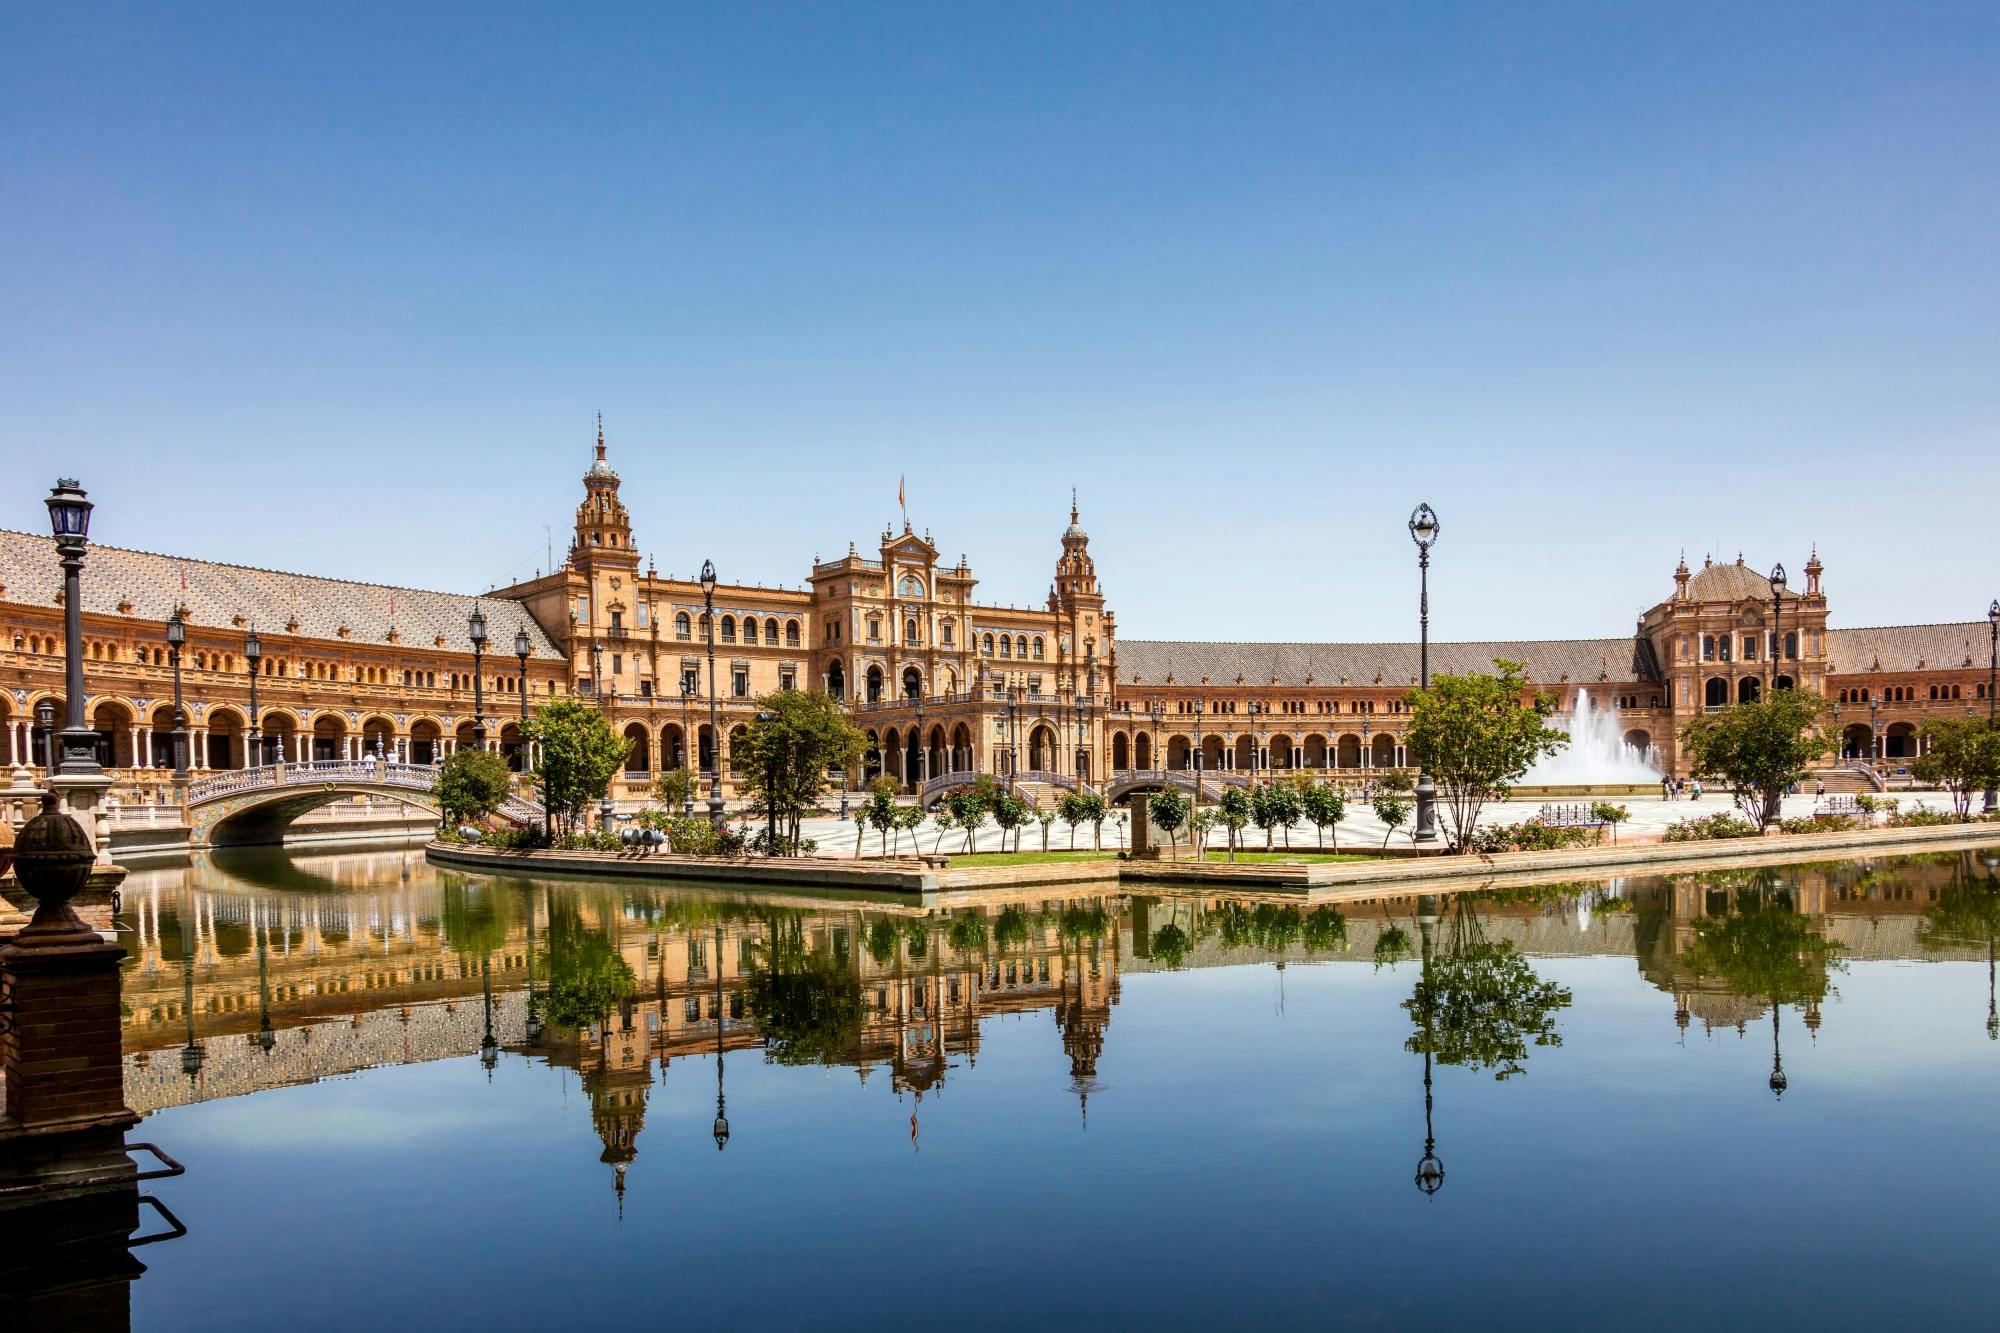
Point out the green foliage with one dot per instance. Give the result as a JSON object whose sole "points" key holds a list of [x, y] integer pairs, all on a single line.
{"points": [[1010, 812], [1475, 736], [1324, 805], [1821, 823], [783, 759], [475, 916], [1392, 946], [1012, 928], [1966, 912], [1324, 928], [514, 839], [1045, 818], [969, 806], [589, 840], [1924, 817], [1084, 807], [1721, 824], [1397, 781], [1170, 945], [1170, 810], [673, 788], [1479, 1004], [1961, 755], [882, 940], [1393, 809], [579, 756], [1762, 949], [967, 932], [1233, 810], [1276, 805], [1758, 749], [587, 977], [880, 811], [471, 784], [807, 1004], [1530, 835], [1083, 923], [1609, 812]]}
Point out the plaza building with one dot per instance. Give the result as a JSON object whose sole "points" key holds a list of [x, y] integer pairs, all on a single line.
{"points": [[945, 682]]}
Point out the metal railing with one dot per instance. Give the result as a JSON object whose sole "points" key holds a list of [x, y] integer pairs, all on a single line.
{"points": [[369, 772]]}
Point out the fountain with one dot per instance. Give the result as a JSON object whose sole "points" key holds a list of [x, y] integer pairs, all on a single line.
{"points": [[1597, 754]]}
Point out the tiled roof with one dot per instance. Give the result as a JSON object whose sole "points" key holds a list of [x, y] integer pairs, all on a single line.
{"points": [[266, 599], [1729, 583], [1548, 661], [1909, 647]]}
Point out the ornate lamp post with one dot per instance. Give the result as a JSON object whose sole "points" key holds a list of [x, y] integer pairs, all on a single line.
{"points": [[1200, 705], [69, 520], [687, 729], [1777, 621], [1013, 737], [721, 1103], [923, 746], [176, 640], [1424, 532], [1158, 712], [253, 654], [523, 650], [1992, 679], [714, 725], [1082, 743], [597, 672], [1430, 1168], [475, 629], [1875, 723], [45, 732], [1778, 1080]]}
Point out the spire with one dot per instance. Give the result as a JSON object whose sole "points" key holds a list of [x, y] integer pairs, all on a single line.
{"points": [[1072, 506], [600, 437]]}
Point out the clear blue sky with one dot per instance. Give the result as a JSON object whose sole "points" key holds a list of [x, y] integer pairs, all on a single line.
{"points": [[338, 288]]}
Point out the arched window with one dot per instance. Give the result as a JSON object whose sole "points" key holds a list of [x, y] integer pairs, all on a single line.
{"points": [[910, 630], [1791, 644], [729, 629], [749, 629], [1708, 647], [1021, 645], [944, 633], [1006, 646], [986, 646], [707, 628], [791, 634], [771, 632], [681, 625], [1038, 647]]}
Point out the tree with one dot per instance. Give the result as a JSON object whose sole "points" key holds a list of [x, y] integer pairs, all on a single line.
{"points": [[1045, 818], [807, 1004], [586, 973], [673, 788], [471, 784], [579, 756], [879, 813], [1094, 810], [1762, 949], [1479, 1004], [942, 818], [1325, 805], [797, 736], [1070, 808], [1235, 813], [911, 818], [969, 806], [1961, 755], [1758, 749], [1392, 808], [1204, 820], [1275, 805], [1010, 812], [1475, 735], [1170, 811]]}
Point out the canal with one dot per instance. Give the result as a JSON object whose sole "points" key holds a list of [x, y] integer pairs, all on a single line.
{"points": [[408, 1097]]}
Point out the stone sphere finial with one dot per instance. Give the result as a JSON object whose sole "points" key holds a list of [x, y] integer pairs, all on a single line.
{"points": [[52, 861]]}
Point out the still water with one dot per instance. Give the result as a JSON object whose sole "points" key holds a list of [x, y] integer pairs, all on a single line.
{"points": [[413, 1098]]}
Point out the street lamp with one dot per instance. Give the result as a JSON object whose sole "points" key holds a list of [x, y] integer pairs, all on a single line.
{"points": [[1777, 620], [253, 653], [1875, 724], [475, 629], [523, 650], [176, 640], [1992, 679], [923, 747], [45, 731], [1424, 531], [1200, 705], [69, 521], [1778, 1080], [714, 725], [688, 770]]}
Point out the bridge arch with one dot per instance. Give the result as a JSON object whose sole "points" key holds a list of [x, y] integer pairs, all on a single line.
{"points": [[257, 805]]}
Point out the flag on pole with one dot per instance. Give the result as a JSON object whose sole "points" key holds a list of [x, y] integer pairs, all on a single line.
{"points": [[902, 502]]}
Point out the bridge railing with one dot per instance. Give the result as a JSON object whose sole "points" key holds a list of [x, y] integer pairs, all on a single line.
{"points": [[366, 772], [1046, 778]]}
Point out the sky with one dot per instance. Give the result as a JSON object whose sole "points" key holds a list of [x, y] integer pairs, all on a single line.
{"points": [[340, 289]]}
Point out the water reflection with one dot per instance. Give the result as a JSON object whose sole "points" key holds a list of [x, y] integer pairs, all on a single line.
{"points": [[266, 971]]}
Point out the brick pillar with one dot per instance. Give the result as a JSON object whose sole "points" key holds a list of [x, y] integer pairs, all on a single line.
{"points": [[62, 1051]]}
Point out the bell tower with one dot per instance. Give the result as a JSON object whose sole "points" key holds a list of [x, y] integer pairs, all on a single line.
{"points": [[603, 528], [1077, 601]]}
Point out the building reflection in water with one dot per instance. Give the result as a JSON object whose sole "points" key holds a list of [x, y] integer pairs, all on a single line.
{"points": [[330, 964]]}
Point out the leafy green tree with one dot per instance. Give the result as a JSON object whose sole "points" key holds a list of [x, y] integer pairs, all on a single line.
{"points": [[1011, 928], [1045, 818], [1762, 949], [1170, 945], [1010, 812], [910, 818], [1170, 811], [971, 805], [1094, 809], [1961, 755], [672, 788], [475, 916], [882, 940], [1205, 819], [1071, 808], [471, 784], [1475, 735], [797, 736], [943, 820], [1758, 749], [880, 812], [1325, 805], [1392, 808], [1479, 1004], [579, 756], [1235, 810], [1275, 805], [587, 977]]}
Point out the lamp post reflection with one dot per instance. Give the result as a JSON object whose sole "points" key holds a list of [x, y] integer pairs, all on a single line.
{"points": [[721, 1102], [1430, 1167], [191, 1052]]}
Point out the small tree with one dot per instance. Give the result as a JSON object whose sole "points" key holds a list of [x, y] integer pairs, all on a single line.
{"points": [[1093, 809], [579, 756], [969, 807], [1170, 811], [1758, 749], [470, 785], [1235, 808], [1392, 808], [1010, 812], [880, 812], [1275, 805], [1045, 818], [909, 819], [1070, 807], [945, 822], [673, 787], [1204, 820], [1961, 755], [1475, 735], [1325, 805]]}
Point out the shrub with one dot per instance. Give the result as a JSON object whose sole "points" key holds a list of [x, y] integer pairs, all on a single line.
{"points": [[1719, 825], [1921, 817], [764, 844], [589, 840], [513, 839], [1530, 835], [1609, 812], [1819, 824]]}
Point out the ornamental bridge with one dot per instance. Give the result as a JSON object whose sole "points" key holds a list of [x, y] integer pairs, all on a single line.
{"points": [[255, 805]]}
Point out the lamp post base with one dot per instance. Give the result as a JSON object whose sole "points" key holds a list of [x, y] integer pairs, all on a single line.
{"points": [[1425, 834]]}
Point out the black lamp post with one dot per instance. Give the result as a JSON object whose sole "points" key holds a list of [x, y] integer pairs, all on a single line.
{"points": [[1082, 742], [523, 650], [45, 733], [253, 653], [714, 724], [721, 1103], [69, 520], [1778, 1080], [923, 746], [1992, 679], [489, 1047], [1013, 737], [1194, 820], [1430, 1167], [597, 672], [1777, 621], [1424, 532], [1839, 736], [764, 718], [191, 1053], [1875, 724], [475, 629], [176, 640]]}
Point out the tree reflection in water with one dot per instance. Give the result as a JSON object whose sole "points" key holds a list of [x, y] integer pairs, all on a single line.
{"points": [[807, 1003], [1477, 1002], [1967, 912], [586, 975]]}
